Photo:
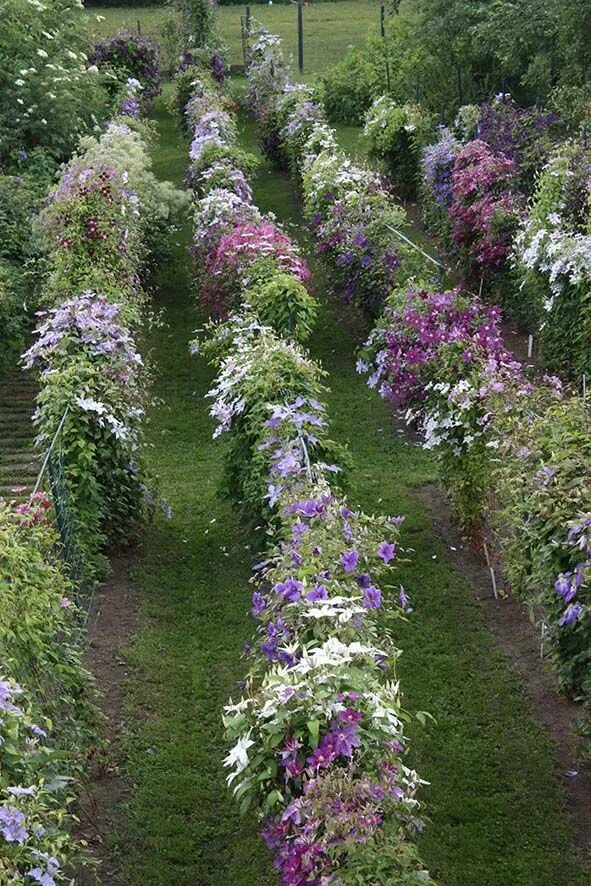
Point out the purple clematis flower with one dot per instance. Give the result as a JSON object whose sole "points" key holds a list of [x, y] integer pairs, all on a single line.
{"points": [[290, 589], [571, 614], [320, 592], [349, 560], [386, 551], [258, 604], [372, 598]]}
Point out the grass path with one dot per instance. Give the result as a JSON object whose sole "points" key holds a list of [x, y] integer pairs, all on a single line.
{"points": [[182, 828], [495, 799]]}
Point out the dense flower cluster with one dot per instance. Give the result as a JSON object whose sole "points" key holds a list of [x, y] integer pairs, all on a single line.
{"points": [[486, 207], [318, 742], [437, 166], [131, 55], [523, 135], [553, 258]]}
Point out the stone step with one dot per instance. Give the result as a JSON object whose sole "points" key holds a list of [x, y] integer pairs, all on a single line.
{"points": [[28, 456], [19, 471], [16, 441]]}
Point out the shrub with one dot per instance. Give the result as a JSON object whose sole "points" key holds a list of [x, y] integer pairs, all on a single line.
{"points": [[436, 183], [227, 268], [350, 86], [396, 134], [486, 208], [49, 94], [439, 356], [553, 261], [130, 56], [90, 367], [88, 226], [46, 717], [281, 302], [542, 477]]}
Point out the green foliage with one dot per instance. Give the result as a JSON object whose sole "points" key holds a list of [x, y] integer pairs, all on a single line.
{"points": [[199, 21], [21, 260], [351, 85], [48, 690], [281, 302], [396, 134], [543, 482], [39, 623]]}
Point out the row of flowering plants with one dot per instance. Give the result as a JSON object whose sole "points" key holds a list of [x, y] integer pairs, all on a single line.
{"points": [[96, 233], [507, 196], [318, 744], [353, 215], [99, 226], [498, 434]]}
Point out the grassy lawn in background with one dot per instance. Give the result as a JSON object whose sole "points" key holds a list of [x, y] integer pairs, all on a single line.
{"points": [[329, 28]]}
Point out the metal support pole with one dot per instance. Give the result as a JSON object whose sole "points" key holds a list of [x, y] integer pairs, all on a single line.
{"points": [[301, 35]]}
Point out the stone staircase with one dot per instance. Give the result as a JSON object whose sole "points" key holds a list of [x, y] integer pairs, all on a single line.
{"points": [[19, 460]]}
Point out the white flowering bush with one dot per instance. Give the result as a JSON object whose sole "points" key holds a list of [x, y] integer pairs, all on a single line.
{"points": [[49, 93], [553, 260]]}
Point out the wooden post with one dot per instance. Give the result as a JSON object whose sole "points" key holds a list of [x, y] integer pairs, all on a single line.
{"points": [[244, 38], [139, 28], [248, 21], [301, 35], [383, 21]]}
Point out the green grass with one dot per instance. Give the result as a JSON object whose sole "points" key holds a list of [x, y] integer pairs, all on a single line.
{"points": [[329, 28], [495, 801], [182, 826]]}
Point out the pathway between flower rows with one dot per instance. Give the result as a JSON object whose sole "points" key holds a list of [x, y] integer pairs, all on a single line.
{"points": [[496, 800]]}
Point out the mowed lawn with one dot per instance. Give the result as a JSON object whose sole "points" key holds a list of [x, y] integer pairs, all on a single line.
{"points": [[329, 28]]}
